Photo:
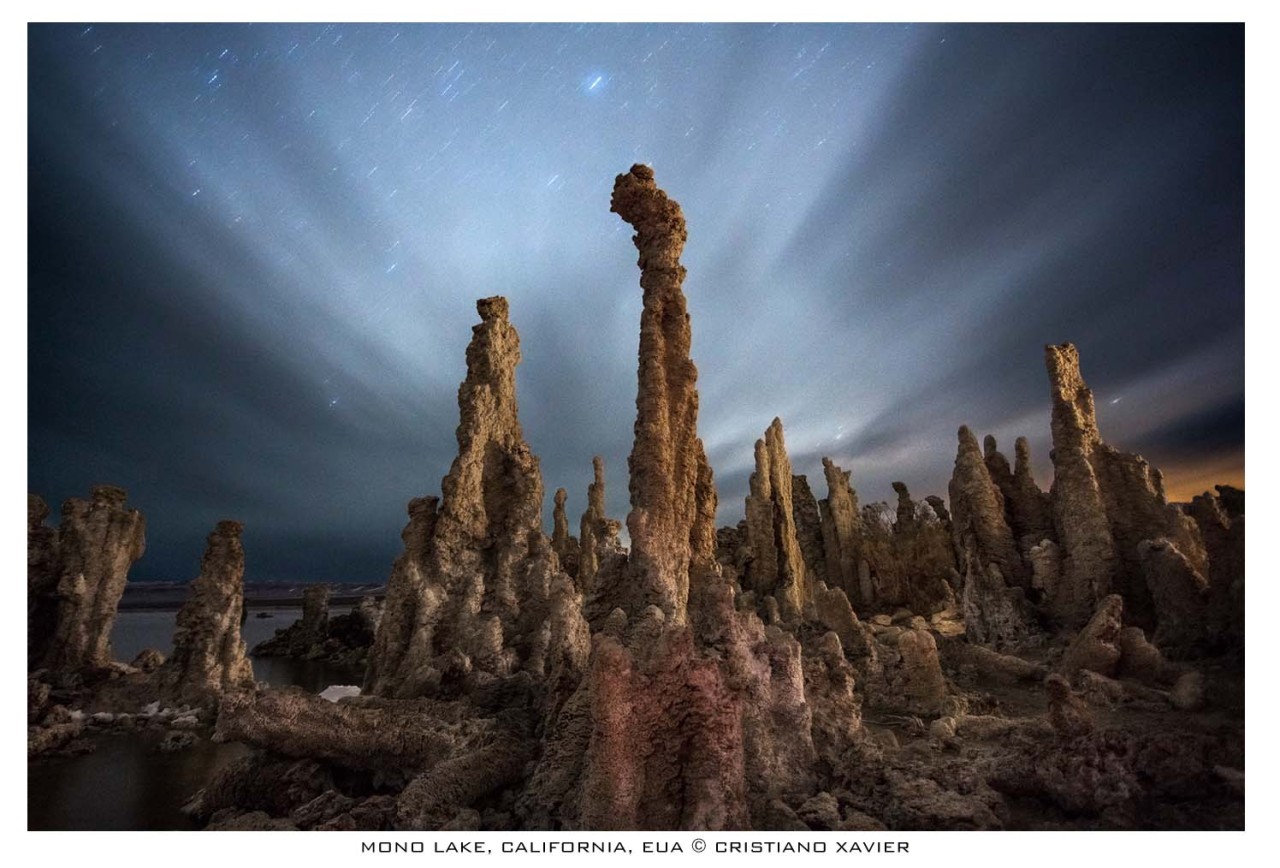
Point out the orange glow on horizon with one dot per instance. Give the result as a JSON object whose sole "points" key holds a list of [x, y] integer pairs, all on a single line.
{"points": [[1183, 482]]}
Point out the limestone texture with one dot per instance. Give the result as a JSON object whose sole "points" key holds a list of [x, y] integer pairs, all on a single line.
{"points": [[1097, 647], [775, 565], [1089, 561], [98, 541], [841, 532], [465, 604], [978, 513], [1181, 597], [208, 656]]}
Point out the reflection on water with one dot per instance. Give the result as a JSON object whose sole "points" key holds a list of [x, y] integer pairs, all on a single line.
{"points": [[136, 630], [128, 783]]}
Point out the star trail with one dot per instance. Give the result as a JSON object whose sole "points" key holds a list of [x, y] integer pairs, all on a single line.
{"points": [[255, 249]]}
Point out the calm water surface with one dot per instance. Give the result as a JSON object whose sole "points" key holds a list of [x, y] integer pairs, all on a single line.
{"points": [[128, 783]]}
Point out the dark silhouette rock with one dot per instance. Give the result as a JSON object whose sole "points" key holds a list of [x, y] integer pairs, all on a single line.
{"points": [[808, 521]]}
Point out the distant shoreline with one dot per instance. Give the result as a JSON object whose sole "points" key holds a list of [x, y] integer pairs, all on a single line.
{"points": [[159, 596]]}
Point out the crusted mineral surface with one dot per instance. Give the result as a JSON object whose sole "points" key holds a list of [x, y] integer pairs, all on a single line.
{"points": [[459, 609], [1080, 518], [775, 566], [841, 532], [208, 656], [97, 542], [667, 457], [978, 514]]}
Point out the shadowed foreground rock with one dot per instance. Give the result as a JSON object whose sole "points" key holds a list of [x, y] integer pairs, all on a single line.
{"points": [[399, 736]]}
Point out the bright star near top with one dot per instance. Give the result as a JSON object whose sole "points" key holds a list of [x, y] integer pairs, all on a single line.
{"points": [[595, 82]]}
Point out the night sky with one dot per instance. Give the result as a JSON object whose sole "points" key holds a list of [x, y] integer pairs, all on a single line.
{"points": [[255, 250]]}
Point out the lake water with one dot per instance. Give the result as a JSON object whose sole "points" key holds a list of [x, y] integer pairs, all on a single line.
{"points": [[128, 783]]}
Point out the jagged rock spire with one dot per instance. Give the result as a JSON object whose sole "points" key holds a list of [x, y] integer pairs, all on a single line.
{"points": [[1088, 551], [906, 520], [459, 602], [669, 470], [808, 521], [977, 511], [98, 540], [562, 543], [776, 567], [1030, 509], [208, 653], [598, 533], [841, 530]]}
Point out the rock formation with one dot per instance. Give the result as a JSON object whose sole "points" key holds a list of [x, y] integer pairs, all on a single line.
{"points": [[564, 545], [457, 611], [1068, 714], [1105, 503], [776, 566], [997, 466], [1232, 500], [977, 513], [208, 656], [721, 678], [667, 458], [841, 531], [994, 613], [342, 639], [1181, 596], [1029, 508], [315, 614], [1080, 517], [97, 541], [408, 594], [1097, 647], [808, 521], [906, 519], [598, 534], [692, 714], [1221, 528]]}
